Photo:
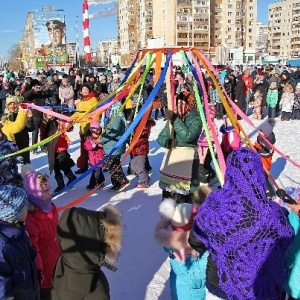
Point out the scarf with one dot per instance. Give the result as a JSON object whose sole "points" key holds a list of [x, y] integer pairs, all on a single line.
{"points": [[45, 206], [246, 233]]}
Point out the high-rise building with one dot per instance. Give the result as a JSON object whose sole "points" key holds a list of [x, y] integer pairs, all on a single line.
{"points": [[209, 25], [284, 29], [108, 49]]}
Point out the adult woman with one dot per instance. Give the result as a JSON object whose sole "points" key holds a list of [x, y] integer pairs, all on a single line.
{"points": [[87, 102], [187, 127], [246, 234]]}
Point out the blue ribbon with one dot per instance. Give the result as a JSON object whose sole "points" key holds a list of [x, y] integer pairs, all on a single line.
{"points": [[130, 129]]}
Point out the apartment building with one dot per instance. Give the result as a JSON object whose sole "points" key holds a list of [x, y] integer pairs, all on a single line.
{"points": [[107, 49], [209, 25], [284, 29]]}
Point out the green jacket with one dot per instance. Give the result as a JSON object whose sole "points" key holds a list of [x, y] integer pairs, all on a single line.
{"points": [[272, 99], [187, 133]]}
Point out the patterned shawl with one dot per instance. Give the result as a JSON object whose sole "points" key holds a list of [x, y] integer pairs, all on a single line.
{"points": [[246, 234]]}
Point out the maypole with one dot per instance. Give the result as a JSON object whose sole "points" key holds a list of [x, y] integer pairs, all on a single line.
{"points": [[86, 31]]}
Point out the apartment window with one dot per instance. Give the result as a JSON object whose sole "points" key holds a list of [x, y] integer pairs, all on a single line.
{"points": [[250, 7], [229, 6], [229, 14]]}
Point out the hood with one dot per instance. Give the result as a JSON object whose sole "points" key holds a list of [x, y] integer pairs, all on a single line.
{"points": [[87, 236]]}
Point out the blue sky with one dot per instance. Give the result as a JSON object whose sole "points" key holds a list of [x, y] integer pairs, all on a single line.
{"points": [[13, 15]]}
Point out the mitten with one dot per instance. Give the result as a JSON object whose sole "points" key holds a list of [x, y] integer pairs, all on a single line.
{"points": [[24, 105], [170, 143], [170, 115]]}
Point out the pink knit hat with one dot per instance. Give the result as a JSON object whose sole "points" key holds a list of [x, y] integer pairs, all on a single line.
{"points": [[95, 124], [35, 183]]}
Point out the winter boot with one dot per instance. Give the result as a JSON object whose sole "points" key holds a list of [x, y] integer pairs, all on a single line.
{"points": [[70, 175], [60, 183]]}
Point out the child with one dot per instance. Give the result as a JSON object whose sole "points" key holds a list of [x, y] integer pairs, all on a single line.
{"points": [[139, 154], [42, 221], [206, 172], [95, 150], [87, 238], [18, 274], [286, 103], [257, 109], [265, 151], [187, 277], [296, 107], [58, 156], [231, 140], [272, 99]]}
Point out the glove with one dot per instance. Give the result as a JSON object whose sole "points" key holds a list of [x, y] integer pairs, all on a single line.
{"points": [[24, 105], [170, 115], [170, 143]]}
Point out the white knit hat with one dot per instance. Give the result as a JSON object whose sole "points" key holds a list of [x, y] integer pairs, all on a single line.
{"points": [[181, 216]]}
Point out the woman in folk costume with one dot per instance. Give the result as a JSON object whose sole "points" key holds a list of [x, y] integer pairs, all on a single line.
{"points": [[58, 157], [187, 125], [88, 101], [114, 123], [188, 267], [90, 240], [246, 234]]}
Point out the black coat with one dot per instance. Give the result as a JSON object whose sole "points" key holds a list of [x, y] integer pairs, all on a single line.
{"points": [[262, 87], [22, 137]]}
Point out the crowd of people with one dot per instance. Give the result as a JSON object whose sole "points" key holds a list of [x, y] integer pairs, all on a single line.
{"points": [[232, 243]]}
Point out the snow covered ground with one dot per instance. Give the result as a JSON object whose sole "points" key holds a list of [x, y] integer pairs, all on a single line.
{"points": [[143, 267]]}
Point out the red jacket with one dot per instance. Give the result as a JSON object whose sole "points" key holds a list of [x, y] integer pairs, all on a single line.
{"points": [[42, 230], [142, 146]]}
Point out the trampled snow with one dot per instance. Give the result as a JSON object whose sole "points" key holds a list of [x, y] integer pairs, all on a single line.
{"points": [[143, 266]]}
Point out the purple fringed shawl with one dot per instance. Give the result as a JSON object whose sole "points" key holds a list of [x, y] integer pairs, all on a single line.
{"points": [[246, 233]]}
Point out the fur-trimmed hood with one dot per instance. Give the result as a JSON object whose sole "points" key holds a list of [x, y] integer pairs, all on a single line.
{"points": [[88, 237]]}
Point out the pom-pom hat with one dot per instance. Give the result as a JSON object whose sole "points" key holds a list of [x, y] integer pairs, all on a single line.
{"points": [[181, 216], [12, 202]]}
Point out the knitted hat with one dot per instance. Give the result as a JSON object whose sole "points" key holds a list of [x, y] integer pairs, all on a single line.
{"points": [[94, 124], [181, 216], [35, 183], [86, 85], [298, 85], [12, 202], [11, 99], [267, 127]]}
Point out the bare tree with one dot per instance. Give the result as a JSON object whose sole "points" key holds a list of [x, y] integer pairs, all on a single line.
{"points": [[15, 58]]}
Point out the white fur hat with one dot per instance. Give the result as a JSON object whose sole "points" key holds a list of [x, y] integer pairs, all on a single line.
{"points": [[181, 216]]}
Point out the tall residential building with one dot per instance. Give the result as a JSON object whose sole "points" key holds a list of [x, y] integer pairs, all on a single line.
{"points": [[262, 36], [284, 29], [107, 49], [205, 24]]}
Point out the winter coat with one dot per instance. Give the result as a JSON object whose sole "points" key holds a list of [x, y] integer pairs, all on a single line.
{"points": [[293, 256], [18, 275], [229, 89], [248, 81], [57, 148], [112, 135], [297, 101], [10, 128], [240, 91], [95, 150], [87, 238], [188, 268], [37, 98], [54, 98], [287, 102], [22, 137], [275, 79], [66, 93], [85, 105], [186, 133], [142, 145], [42, 231], [230, 140], [9, 165], [262, 87], [272, 98]]}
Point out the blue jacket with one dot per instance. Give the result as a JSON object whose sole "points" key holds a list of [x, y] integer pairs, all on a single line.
{"points": [[18, 275], [9, 165], [112, 135], [292, 286]]}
